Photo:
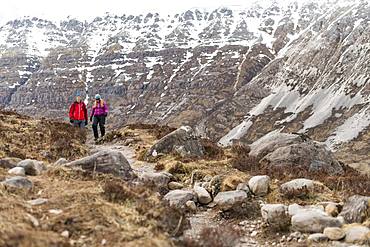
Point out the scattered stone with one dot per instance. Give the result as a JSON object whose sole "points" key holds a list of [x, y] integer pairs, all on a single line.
{"points": [[55, 211], [357, 234], [334, 233], [155, 179], [317, 238], [106, 161], [297, 188], [38, 201], [61, 161], [18, 182], [244, 187], [65, 234], [8, 163], [207, 178], [254, 233], [259, 185], [182, 141], [175, 186], [17, 171], [178, 198], [202, 195], [32, 167], [294, 209], [229, 199], [33, 220], [332, 209], [191, 205], [313, 221], [276, 215], [356, 209]]}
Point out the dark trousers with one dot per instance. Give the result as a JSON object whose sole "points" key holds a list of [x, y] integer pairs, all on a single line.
{"points": [[98, 120]]}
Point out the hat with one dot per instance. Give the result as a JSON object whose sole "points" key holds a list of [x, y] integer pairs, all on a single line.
{"points": [[78, 93], [97, 96]]}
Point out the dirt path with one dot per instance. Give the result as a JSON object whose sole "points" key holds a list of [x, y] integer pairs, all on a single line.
{"points": [[202, 219]]}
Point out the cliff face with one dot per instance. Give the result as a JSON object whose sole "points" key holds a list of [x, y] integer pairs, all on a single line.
{"points": [[232, 72]]}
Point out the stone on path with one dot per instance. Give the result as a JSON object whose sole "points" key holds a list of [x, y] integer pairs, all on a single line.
{"points": [[230, 199], [18, 182], [313, 222], [259, 185], [17, 171]]}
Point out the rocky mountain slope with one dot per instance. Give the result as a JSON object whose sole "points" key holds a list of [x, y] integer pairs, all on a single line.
{"points": [[233, 72]]}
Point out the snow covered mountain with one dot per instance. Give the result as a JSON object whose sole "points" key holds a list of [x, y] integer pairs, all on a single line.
{"points": [[233, 72]]}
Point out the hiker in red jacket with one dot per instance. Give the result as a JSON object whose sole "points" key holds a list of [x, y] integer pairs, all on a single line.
{"points": [[78, 112]]}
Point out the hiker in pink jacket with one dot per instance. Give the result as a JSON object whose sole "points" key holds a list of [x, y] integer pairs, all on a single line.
{"points": [[98, 114]]}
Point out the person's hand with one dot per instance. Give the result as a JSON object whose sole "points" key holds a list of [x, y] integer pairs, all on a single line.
{"points": [[86, 122], [105, 114], [91, 118], [71, 120]]}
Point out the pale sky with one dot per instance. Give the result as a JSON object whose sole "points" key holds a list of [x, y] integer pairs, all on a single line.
{"points": [[86, 9]]}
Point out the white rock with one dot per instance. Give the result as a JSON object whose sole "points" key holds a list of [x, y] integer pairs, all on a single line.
{"points": [[65, 234], [175, 186], [38, 201], [178, 198], [357, 234], [259, 185], [191, 205], [55, 211], [32, 167], [294, 209], [202, 195], [229, 199], [18, 171], [254, 233], [317, 237]]}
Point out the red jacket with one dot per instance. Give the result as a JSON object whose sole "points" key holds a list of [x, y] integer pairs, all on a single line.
{"points": [[78, 111]]}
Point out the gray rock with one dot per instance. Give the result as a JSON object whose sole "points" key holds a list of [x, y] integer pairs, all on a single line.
{"points": [[182, 141], [38, 201], [8, 162], [259, 185], [17, 171], [332, 209], [356, 209], [156, 179], [244, 187], [313, 222], [106, 161], [230, 199], [297, 187], [357, 234], [294, 209], [317, 238], [276, 215], [334, 233], [178, 198], [61, 161], [202, 195], [18, 182], [175, 186], [32, 167]]}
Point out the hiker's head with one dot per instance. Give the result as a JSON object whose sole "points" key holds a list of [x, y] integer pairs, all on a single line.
{"points": [[97, 97], [78, 96]]}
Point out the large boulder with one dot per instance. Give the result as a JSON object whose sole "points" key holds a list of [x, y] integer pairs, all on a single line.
{"points": [[202, 195], [259, 185], [18, 182], [8, 163], [106, 161], [182, 141], [357, 234], [294, 152], [313, 221], [356, 209], [272, 141], [276, 215], [230, 199], [178, 198], [32, 167]]}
